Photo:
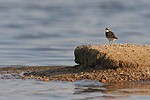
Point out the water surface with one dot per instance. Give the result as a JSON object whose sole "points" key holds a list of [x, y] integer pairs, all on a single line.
{"points": [[79, 90], [46, 32]]}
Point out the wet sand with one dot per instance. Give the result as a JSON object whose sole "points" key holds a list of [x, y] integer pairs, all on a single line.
{"points": [[73, 73]]}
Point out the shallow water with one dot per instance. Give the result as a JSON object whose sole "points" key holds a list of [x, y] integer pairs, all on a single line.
{"points": [[45, 32], [79, 90]]}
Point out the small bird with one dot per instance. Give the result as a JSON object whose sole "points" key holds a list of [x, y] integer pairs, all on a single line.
{"points": [[110, 35]]}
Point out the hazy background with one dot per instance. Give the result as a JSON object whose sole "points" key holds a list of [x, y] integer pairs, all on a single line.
{"points": [[46, 32]]}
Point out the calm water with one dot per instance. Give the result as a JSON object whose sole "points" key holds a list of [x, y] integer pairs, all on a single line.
{"points": [[35, 32], [45, 32], [80, 90]]}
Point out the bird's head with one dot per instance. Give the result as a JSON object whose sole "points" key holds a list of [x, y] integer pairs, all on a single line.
{"points": [[107, 29]]}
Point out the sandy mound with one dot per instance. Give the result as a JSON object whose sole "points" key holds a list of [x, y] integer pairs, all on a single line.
{"points": [[116, 55]]}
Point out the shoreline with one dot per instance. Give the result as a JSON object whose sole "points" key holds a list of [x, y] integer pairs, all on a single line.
{"points": [[77, 72], [104, 63]]}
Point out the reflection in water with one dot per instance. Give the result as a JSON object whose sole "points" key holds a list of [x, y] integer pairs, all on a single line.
{"points": [[79, 90], [138, 88], [111, 91]]}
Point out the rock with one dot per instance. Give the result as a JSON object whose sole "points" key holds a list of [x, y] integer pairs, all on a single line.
{"points": [[110, 56]]}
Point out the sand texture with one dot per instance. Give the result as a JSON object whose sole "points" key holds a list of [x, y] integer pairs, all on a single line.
{"points": [[116, 55]]}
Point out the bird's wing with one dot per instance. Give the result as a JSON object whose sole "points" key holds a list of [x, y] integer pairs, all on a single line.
{"points": [[112, 35]]}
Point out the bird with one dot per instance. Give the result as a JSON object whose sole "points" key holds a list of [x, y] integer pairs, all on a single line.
{"points": [[110, 35]]}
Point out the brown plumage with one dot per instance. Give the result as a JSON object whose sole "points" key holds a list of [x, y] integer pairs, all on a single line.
{"points": [[110, 35]]}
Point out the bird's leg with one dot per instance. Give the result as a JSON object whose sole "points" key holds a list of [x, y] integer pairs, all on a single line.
{"points": [[110, 42]]}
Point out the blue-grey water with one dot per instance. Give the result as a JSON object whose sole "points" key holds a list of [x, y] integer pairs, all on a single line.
{"points": [[45, 32], [35, 32]]}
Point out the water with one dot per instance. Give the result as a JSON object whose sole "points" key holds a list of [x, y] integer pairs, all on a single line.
{"points": [[46, 32], [35, 32], [80, 90]]}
